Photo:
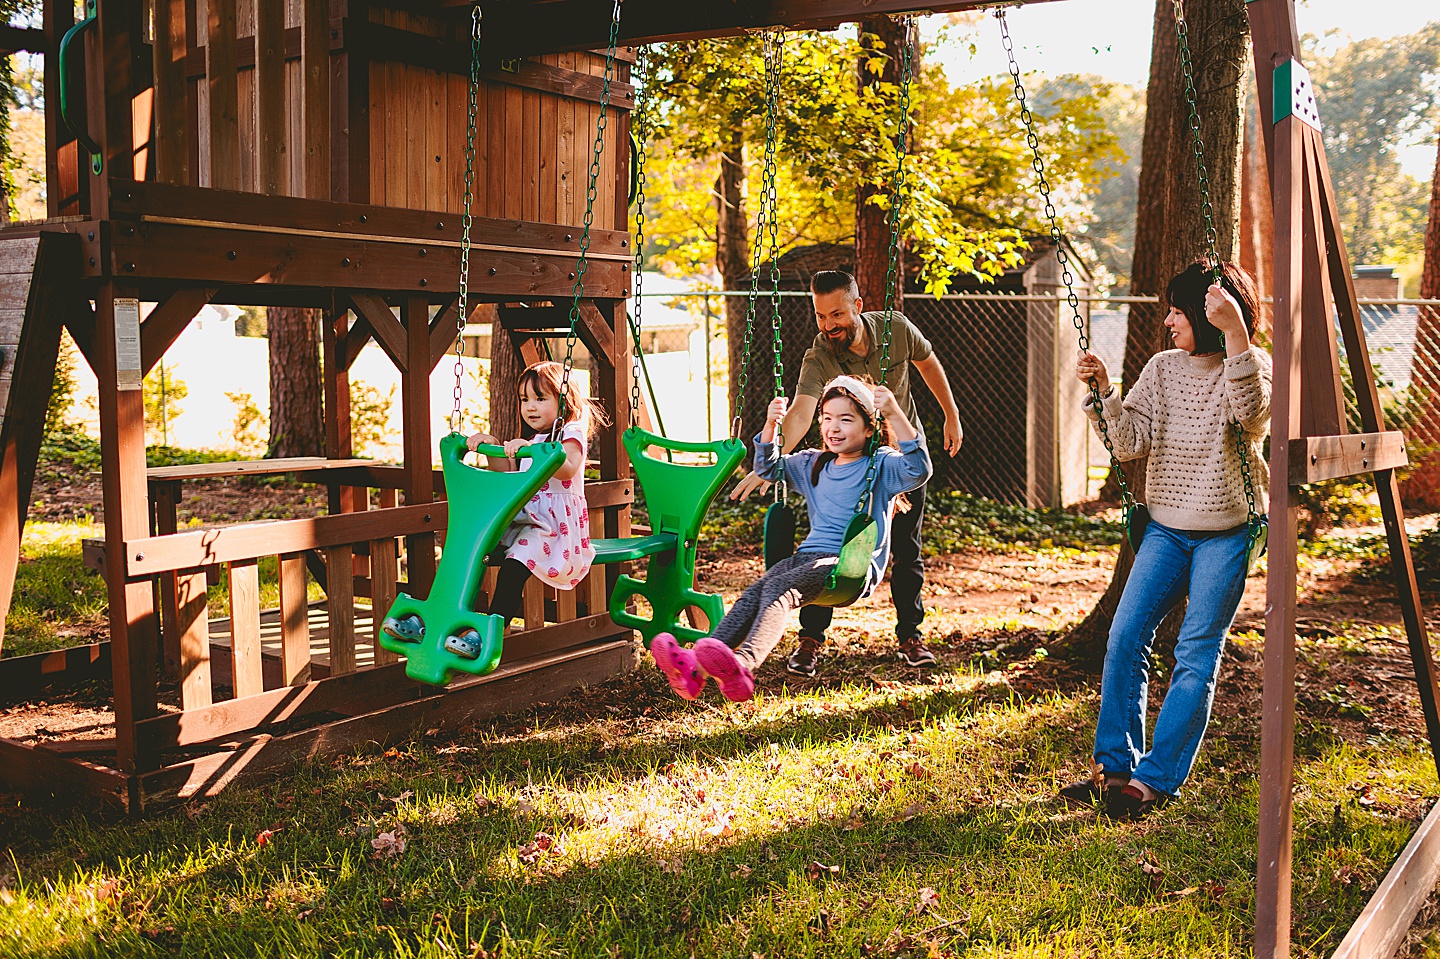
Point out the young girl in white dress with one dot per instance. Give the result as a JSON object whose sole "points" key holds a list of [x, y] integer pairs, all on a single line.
{"points": [[550, 536]]}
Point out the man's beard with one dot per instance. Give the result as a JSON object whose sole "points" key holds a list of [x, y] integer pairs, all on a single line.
{"points": [[841, 344]]}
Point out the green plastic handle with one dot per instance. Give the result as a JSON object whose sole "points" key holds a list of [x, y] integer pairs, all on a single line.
{"points": [[685, 446], [68, 116], [490, 449]]}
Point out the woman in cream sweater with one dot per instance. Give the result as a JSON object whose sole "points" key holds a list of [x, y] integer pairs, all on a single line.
{"points": [[1179, 414]]}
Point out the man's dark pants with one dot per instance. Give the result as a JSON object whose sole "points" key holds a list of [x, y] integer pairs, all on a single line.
{"points": [[907, 576]]}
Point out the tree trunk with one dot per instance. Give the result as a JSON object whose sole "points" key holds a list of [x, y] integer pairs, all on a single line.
{"points": [[732, 252], [506, 365], [879, 37], [1169, 226], [1422, 487], [297, 426]]}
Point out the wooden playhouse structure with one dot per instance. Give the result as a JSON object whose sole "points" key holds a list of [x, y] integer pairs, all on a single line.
{"points": [[307, 153]]}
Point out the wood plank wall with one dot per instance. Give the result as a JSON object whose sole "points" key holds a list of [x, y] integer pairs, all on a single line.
{"points": [[533, 147]]}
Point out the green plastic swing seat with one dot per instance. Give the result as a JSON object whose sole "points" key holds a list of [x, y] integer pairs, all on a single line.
{"points": [[677, 496], [851, 573], [490, 499]]}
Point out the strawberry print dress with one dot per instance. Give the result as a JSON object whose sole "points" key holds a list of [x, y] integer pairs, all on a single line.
{"points": [[551, 534]]}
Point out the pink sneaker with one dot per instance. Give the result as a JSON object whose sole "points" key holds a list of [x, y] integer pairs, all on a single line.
{"points": [[679, 666], [736, 682]]}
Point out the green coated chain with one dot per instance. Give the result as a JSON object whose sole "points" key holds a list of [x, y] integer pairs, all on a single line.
{"points": [[773, 63], [462, 303], [591, 192], [1057, 236], [1253, 522], [640, 79], [770, 54], [892, 266]]}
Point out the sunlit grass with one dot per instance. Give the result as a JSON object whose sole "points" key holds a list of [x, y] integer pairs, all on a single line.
{"points": [[887, 817]]}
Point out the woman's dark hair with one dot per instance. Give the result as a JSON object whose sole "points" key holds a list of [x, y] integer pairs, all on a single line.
{"points": [[1186, 293]]}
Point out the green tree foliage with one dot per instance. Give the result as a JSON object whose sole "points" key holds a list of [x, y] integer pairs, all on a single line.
{"points": [[163, 391], [971, 195], [1376, 95], [11, 12], [1109, 231]]}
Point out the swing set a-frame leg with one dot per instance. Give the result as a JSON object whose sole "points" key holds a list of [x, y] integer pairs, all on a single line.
{"points": [[1310, 442]]}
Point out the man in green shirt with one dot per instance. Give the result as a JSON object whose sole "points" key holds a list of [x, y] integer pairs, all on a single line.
{"points": [[849, 342]]}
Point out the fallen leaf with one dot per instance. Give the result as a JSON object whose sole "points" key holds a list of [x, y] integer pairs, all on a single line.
{"points": [[390, 844], [1187, 891], [389, 904], [817, 870], [742, 871], [855, 821], [721, 825], [819, 923], [262, 838], [7, 898], [673, 866], [929, 899], [917, 770], [909, 812]]}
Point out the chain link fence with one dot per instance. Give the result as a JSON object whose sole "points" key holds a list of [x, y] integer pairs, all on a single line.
{"points": [[1010, 360]]}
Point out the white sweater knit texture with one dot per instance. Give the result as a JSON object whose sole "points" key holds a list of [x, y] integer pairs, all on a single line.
{"points": [[1179, 413]]}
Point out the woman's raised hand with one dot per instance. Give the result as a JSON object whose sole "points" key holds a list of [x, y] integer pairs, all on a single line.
{"points": [[1091, 367], [1224, 313]]}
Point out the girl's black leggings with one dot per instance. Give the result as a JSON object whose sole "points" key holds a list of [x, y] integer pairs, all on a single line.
{"points": [[509, 589]]}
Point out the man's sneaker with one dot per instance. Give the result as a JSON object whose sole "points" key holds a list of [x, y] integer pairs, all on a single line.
{"points": [[407, 629], [806, 657], [914, 652]]}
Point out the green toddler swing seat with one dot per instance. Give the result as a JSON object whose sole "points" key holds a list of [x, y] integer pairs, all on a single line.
{"points": [[483, 504]]}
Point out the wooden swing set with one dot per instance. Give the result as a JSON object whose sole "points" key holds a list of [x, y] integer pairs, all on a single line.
{"points": [[309, 153]]}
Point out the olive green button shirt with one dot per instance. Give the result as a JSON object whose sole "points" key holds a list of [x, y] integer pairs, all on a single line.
{"points": [[907, 345]]}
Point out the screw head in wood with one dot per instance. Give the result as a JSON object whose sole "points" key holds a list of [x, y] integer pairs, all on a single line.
{"points": [[572, 275], [129, 267], [569, 237], [440, 225], [1365, 464], [427, 517], [92, 261], [493, 271], [424, 282], [624, 243], [345, 261], [231, 255], [139, 556], [1362, 444], [424, 252], [364, 218], [92, 234]]}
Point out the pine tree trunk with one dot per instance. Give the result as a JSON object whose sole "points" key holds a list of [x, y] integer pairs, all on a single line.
{"points": [[1169, 226], [506, 365], [880, 37], [297, 426], [732, 252], [1257, 208], [1422, 487]]}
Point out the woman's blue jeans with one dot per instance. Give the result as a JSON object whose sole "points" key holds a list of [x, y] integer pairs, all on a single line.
{"points": [[1211, 568]]}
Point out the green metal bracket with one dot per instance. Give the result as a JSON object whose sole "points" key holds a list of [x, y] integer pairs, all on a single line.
{"points": [[1295, 95]]}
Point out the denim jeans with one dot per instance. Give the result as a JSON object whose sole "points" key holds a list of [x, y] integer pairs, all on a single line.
{"points": [[1211, 567]]}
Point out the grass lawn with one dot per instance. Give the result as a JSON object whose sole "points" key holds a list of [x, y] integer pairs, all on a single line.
{"points": [[899, 814]]}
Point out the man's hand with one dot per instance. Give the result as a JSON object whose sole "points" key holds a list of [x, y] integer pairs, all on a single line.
{"points": [[748, 485], [954, 433]]}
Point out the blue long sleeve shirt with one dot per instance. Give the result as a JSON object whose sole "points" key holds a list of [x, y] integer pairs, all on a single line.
{"points": [[832, 500]]}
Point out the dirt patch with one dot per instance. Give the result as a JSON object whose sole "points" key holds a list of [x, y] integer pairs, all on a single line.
{"points": [[77, 495]]}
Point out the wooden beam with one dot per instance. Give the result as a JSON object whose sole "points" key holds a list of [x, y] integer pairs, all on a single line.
{"points": [[66, 189], [553, 26], [596, 333], [387, 329], [301, 216], [21, 677], [294, 621], [1380, 928], [443, 331], [505, 690], [315, 98], [350, 120], [168, 320], [349, 346], [37, 773], [143, 557], [1330, 457], [244, 256], [247, 667]]}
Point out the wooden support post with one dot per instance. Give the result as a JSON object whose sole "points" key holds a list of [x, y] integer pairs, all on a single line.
{"points": [[338, 442], [247, 667], [166, 500], [419, 471], [294, 620], [220, 77], [192, 629], [384, 579], [1277, 724], [133, 633], [340, 601], [270, 123], [350, 117]]}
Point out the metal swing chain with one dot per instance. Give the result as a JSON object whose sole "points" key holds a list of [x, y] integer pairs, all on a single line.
{"points": [[892, 267], [762, 215], [640, 79], [462, 304], [1037, 163], [772, 198], [1182, 35], [582, 263]]}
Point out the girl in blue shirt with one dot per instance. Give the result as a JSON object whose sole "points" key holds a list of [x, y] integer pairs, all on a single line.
{"points": [[832, 480]]}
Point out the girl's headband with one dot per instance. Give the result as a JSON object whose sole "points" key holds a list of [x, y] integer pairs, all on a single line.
{"points": [[862, 393]]}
